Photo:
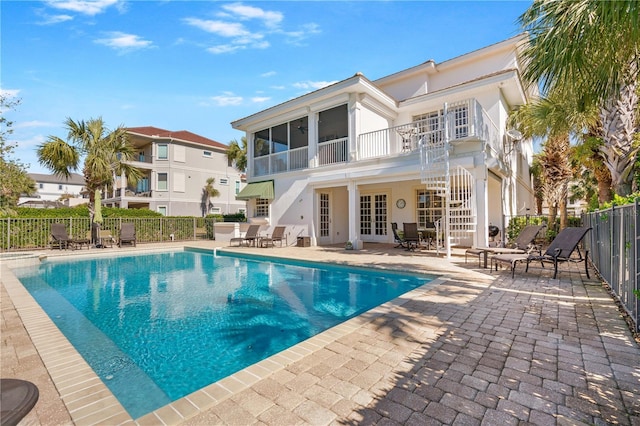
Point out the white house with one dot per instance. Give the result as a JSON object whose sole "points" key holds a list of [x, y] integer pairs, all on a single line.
{"points": [[176, 166], [50, 188], [427, 144]]}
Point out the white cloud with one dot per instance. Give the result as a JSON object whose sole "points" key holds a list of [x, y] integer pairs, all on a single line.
{"points": [[271, 19], [54, 19], [224, 29], [268, 74], [32, 124], [224, 48], [9, 93], [312, 85], [124, 42], [226, 99], [278, 87], [260, 99], [233, 24], [86, 7]]}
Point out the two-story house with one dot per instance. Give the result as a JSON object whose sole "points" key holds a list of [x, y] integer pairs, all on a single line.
{"points": [[54, 190], [176, 166], [428, 144]]}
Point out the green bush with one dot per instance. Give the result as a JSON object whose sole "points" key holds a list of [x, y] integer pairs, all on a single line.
{"points": [[234, 217], [518, 223]]}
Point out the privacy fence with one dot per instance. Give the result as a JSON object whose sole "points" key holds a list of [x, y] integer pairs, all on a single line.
{"points": [[614, 248], [29, 234]]}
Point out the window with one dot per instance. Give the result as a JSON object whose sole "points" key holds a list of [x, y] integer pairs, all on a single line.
{"points": [[215, 210], [40, 185], [163, 182], [333, 124], [59, 187], [431, 125], [262, 207], [429, 208], [237, 187], [224, 181], [162, 210], [163, 151], [207, 154]]}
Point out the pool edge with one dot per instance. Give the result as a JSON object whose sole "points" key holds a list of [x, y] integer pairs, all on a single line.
{"points": [[97, 405]]}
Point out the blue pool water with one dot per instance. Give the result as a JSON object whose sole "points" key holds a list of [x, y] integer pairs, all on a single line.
{"points": [[157, 327]]}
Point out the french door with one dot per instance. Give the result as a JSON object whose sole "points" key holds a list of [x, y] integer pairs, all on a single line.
{"points": [[324, 219], [373, 217]]}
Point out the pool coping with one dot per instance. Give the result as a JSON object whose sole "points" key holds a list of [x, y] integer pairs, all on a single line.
{"points": [[89, 400]]}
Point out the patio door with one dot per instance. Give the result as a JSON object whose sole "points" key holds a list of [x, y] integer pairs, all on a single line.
{"points": [[373, 217], [324, 218]]}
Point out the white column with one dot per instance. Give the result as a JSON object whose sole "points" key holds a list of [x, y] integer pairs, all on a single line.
{"points": [[312, 148], [354, 202]]}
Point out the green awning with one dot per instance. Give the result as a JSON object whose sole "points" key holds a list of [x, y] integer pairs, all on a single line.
{"points": [[257, 190]]}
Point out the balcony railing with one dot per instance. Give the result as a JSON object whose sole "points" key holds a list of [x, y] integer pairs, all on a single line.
{"points": [[334, 151], [466, 119]]}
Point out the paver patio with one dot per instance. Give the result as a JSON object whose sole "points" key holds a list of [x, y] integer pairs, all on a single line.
{"points": [[474, 348]]}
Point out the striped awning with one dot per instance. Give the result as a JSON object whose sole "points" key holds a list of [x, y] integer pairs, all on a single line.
{"points": [[257, 190]]}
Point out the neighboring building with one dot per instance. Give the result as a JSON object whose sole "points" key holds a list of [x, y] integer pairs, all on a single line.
{"points": [[427, 144], [50, 189], [176, 166]]}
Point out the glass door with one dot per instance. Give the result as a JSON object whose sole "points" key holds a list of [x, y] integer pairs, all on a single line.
{"points": [[324, 213], [373, 217]]}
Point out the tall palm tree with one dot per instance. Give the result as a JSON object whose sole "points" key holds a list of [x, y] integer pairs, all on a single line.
{"points": [[208, 192], [593, 48], [238, 154], [554, 118], [104, 153]]}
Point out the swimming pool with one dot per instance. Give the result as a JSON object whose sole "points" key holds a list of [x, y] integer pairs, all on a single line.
{"points": [[156, 327]]}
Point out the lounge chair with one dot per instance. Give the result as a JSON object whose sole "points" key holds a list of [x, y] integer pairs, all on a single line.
{"points": [[560, 250], [250, 237], [411, 235], [277, 236], [396, 237], [61, 239], [127, 234], [522, 244]]}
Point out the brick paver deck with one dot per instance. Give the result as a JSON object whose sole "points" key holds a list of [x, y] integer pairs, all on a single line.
{"points": [[474, 348]]}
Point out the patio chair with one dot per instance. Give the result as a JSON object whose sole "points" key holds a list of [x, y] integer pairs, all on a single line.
{"points": [[127, 234], [251, 236], [396, 237], [60, 238], [17, 398], [277, 236], [411, 235], [524, 243], [560, 250]]}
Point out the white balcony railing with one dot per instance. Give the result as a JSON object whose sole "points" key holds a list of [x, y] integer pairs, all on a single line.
{"points": [[334, 151], [466, 119]]}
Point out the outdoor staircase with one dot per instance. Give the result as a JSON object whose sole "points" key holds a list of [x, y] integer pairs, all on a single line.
{"points": [[455, 185]]}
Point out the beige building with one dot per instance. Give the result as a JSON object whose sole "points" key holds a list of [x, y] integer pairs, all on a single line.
{"points": [[176, 166]]}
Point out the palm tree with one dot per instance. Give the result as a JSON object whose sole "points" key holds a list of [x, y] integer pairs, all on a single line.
{"points": [[105, 154], [238, 155], [208, 192], [591, 47], [554, 118]]}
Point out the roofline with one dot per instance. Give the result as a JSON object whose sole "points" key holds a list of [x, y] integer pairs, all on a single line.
{"points": [[302, 101], [173, 138]]}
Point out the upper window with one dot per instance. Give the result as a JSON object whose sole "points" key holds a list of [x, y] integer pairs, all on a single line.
{"points": [[333, 124], [163, 151], [224, 181], [40, 185], [207, 154], [60, 187], [237, 187]]}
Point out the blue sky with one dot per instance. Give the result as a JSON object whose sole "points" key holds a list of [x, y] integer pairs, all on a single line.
{"points": [[198, 65]]}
